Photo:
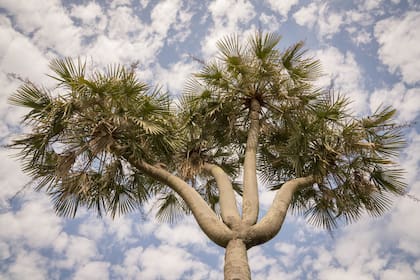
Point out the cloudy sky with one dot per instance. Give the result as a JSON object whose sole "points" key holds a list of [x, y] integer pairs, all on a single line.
{"points": [[368, 48]]}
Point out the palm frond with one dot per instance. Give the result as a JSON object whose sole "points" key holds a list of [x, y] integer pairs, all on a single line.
{"points": [[299, 67], [171, 208], [263, 45], [229, 46], [67, 72], [81, 137]]}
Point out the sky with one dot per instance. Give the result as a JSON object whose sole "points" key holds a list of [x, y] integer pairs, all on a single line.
{"points": [[369, 50]]}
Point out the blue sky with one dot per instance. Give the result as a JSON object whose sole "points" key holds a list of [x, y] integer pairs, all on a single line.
{"points": [[369, 48]]}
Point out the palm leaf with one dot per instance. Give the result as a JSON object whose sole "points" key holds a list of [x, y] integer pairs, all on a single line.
{"points": [[171, 208]]}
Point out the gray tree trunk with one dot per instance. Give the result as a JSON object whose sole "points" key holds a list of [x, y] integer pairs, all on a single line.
{"points": [[236, 261]]}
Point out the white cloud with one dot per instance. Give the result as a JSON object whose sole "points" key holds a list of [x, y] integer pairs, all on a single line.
{"points": [[108, 51], [76, 251], [329, 23], [266, 198], [28, 265], [359, 35], [163, 262], [185, 233], [175, 76], [406, 101], [226, 22], [357, 251], [271, 23], [35, 224], [399, 271], [122, 22], [399, 40], [11, 177], [163, 15], [320, 15], [181, 27], [289, 252], [276, 272], [344, 70], [88, 13], [176, 260], [370, 4], [286, 249], [120, 3], [404, 226], [19, 55], [307, 15], [93, 271], [414, 4], [359, 18], [144, 3], [121, 228], [282, 7], [327, 19], [92, 16], [410, 158], [147, 227], [130, 269], [128, 39], [343, 274], [92, 228], [4, 251], [258, 261], [21, 9], [48, 23], [222, 12]]}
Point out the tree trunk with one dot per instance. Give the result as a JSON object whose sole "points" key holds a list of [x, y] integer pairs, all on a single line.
{"points": [[270, 224], [209, 223], [236, 261], [227, 201], [250, 203]]}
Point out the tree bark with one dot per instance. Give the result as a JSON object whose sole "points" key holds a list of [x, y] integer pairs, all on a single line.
{"points": [[250, 202], [227, 200], [236, 261], [209, 223], [271, 223]]}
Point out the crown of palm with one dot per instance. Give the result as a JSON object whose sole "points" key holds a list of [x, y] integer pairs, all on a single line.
{"points": [[82, 137]]}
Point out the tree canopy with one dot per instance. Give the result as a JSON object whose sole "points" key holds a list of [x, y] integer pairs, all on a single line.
{"points": [[252, 117], [99, 137]]}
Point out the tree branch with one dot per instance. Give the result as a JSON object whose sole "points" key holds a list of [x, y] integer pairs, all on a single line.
{"points": [[271, 223], [227, 201], [250, 205], [215, 229]]}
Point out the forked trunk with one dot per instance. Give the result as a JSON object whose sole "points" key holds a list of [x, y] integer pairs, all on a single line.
{"points": [[236, 261]]}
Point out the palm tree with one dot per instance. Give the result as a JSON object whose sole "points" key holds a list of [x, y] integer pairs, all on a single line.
{"points": [[109, 142]]}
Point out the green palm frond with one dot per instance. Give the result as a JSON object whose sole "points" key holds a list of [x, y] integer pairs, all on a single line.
{"points": [[111, 192], [171, 208], [67, 72], [230, 46], [34, 98], [321, 215], [352, 160], [298, 66], [263, 45], [81, 137]]}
